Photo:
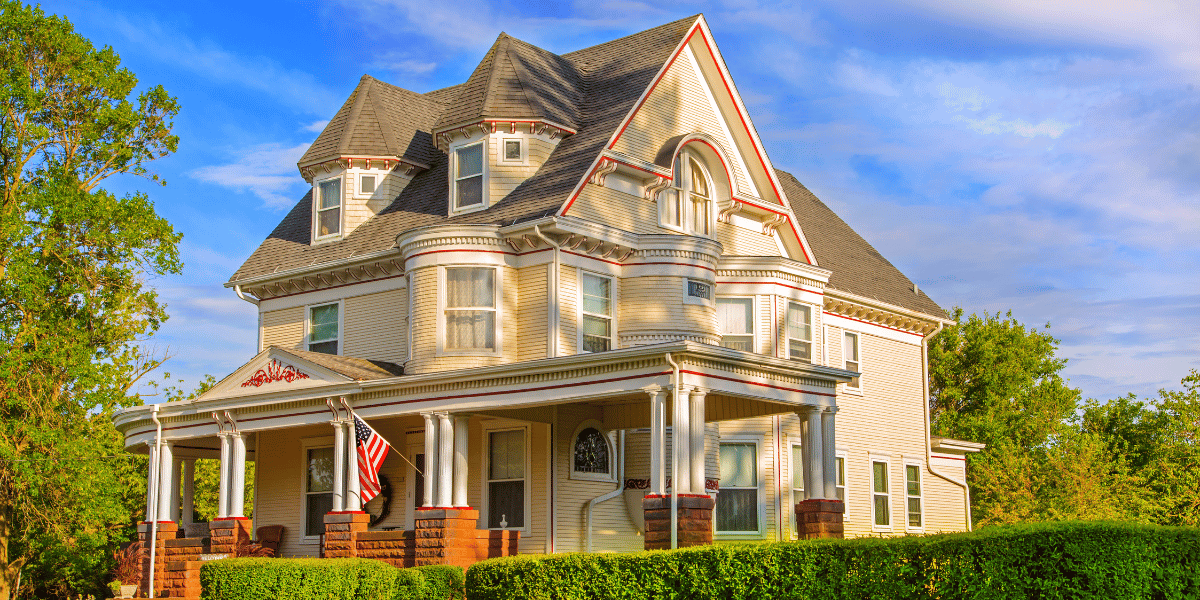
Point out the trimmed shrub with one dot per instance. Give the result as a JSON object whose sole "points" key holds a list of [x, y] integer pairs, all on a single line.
{"points": [[1044, 561], [324, 579]]}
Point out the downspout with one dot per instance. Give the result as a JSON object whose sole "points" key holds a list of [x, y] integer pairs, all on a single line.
{"points": [[154, 494], [258, 331], [928, 444], [408, 352], [552, 279], [674, 455], [613, 494]]}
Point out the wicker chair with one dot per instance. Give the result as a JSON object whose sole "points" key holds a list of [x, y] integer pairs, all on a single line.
{"points": [[269, 536]]}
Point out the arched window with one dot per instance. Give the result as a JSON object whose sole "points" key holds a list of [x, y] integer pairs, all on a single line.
{"points": [[590, 456], [687, 204]]}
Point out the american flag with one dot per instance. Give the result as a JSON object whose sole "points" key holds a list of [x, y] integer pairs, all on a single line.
{"points": [[372, 449]]}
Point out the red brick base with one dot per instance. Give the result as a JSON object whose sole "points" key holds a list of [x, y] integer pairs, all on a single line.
{"points": [[227, 534], [695, 521], [817, 519], [181, 577], [446, 536], [166, 531], [340, 532]]}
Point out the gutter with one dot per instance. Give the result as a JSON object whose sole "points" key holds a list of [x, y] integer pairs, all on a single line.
{"points": [[154, 493], [928, 444], [610, 495]]}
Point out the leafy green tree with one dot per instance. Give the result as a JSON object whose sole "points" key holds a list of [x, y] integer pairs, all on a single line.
{"points": [[1178, 465], [74, 302]]}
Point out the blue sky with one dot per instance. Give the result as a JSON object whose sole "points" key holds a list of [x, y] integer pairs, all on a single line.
{"points": [[1009, 154]]}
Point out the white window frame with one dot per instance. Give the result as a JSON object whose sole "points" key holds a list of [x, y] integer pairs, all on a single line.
{"points": [[681, 187], [341, 337], [919, 497], [757, 440], [454, 208], [502, 151], [787, 339], [754, 319], [316, 209], [792, 445], [845, 362], [611, 476], [845, 485], [441, 314], [485, 517], [306, 444], [358, 188], [612, 307], [710, 301], [887, 460]]}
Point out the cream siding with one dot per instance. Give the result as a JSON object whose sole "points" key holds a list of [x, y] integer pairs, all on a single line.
{"points": [[739, 241], [504, 177], [612, 529], [374, 326], [614, 208], [283, 328], [532, 313], [568, 303], [651, 303]]}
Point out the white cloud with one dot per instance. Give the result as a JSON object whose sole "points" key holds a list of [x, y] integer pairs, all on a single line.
{"points": [[267, 170], [994, 124], [316, 126]]}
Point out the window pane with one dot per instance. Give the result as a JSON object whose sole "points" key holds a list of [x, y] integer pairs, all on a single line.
{"points": [[320, 469], [323, 323], [671, 209], [913, 475], [739, 466], [914, 512], [512, 150], [700, 215], [735, 342], [797, 468], [801, 351], [470, 287], [734, 315], [879, 477], [699, 183], [737, 510], [329, 221], [591, 452], [470, 191], [368, 184], [330, 347], [699, 289], [506, 503], [470, 330], [315, 507], [851, 347], [881, 511], [507, 458], [331, 193], [853, 366], [841, 470], [597, 294], [470, 161], [799, 322]]}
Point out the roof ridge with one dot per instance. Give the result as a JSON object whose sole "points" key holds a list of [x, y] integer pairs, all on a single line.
{"points": [[360, 93]]}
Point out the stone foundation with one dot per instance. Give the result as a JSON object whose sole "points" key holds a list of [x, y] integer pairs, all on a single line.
{"points": [[816, 519], [446, 536], [229, 533], [181, 576], [166, 531], [695, 520], [340, 533]]}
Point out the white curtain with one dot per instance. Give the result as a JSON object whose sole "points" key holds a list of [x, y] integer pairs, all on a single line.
{"points": [[470, 288]]}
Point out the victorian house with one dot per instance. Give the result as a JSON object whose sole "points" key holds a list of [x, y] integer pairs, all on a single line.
{"points": [[571, 293]]}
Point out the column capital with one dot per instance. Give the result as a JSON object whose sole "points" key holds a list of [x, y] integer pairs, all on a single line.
{"points": [[442, 414], [698, 391], [832, 409]]}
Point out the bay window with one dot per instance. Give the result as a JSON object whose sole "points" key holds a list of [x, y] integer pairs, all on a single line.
{"points": [[470, 309]]}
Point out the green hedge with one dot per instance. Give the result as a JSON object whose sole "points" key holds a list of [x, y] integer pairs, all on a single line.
{"points": [[1044, 561], [325, 579]]}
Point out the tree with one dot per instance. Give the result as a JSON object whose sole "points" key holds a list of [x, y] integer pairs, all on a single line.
{"points": [[74, 262]]}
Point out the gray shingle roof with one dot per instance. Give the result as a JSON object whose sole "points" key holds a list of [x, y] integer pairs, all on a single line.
{"points": [[857, 267], [358, 369]]}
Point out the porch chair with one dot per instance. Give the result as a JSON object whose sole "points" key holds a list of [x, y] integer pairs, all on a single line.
{"points": [[269, 536]]}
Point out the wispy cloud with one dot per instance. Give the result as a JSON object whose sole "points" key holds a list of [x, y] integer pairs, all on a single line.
{"points": [[316, 126], [268, 171]]}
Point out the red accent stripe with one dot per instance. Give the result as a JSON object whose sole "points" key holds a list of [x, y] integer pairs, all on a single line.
{"points": [[870, 323], [471, 251], [766, 385], [505, 393], [674, 263]]}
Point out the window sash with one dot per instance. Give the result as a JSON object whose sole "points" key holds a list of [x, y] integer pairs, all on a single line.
{"points": [[912, 476], [324, 328], [512, 150], [318, 489], [470, 313], [735, 318], [329, 207], [506, 478], [850, 356], [881, 497], [840, 472], [799, 332], [468, 176], [738, 501], [367, 184]]}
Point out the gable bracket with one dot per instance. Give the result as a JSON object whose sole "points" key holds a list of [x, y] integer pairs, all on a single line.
{"points": [[727, 213], [770, 226], [602, 170], [659, 184]]}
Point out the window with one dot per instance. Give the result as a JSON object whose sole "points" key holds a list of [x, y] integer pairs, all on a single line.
{"points": [[850, 354], [699, 289], [737, 502], [880, 495], [912, 480], [506, 479], [839, 465], [318, 489], [687, 204], [323, 328], [735, 318], [468, 177], [366, 185], [329, 207], [799, 332], [597, 313], [470, 308], [797, 465], [591, 452], [514, 151]]}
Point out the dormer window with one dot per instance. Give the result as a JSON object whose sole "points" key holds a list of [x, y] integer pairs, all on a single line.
{"points": [[687, 205], [328, 208], [366, 185], [468, 190], [513, 150]]}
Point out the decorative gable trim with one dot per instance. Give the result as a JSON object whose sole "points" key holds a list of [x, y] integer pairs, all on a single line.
{"points": [[274, 371], [444, 136]]}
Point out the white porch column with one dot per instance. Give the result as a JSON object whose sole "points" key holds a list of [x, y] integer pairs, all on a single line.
{"points": [[658, 417], [339, 465], [237, 475], [151, 480], [681, 442], [223, 476], [460, 461], [814, 482], [189, 489], [166, 471], [445, 473], [829, 453], [176, 488], [353, 498], [696, 435], [431, 452]]}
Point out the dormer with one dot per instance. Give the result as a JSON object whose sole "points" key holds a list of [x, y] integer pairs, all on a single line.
{"points": [[508, 117], [366, 155]]}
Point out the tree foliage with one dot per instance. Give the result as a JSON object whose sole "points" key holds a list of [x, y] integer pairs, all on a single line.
{"points": [[74, 300]]}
